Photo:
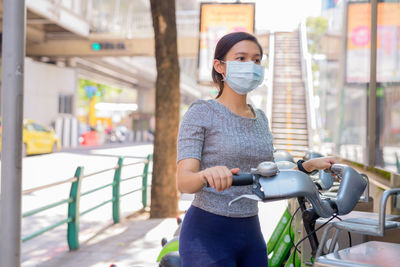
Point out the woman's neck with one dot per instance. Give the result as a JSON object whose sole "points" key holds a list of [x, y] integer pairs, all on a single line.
{"points": [[236, 103]]}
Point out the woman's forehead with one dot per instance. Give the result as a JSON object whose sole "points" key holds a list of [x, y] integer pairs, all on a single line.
{"points": [[245, 47]]}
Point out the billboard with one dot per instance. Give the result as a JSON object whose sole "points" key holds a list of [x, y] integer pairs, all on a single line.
{"points": [[216, 20], [359, 43]]}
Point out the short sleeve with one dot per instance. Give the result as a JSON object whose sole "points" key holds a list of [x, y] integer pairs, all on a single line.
{"points": [[192, 131]]}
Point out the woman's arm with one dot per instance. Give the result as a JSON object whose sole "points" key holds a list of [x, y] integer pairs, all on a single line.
{"points": [[319, 163], [189, 178]]}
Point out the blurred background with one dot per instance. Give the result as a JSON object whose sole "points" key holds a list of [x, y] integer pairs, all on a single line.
{"points": [[90, 89], [90, 67]]}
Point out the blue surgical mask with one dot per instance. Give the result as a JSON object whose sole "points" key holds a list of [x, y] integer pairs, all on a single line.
{"points": [[243, 77]]}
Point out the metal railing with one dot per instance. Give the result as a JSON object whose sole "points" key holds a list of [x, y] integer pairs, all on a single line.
{"points": [[308, 82], [270, 81], [73, 201]]}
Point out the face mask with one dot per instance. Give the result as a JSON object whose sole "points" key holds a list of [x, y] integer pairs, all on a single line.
{"points": [[243, 77]]}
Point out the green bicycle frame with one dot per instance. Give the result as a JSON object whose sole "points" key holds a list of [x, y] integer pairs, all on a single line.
{"points": [[282, 248], [172, 245], [279, 229]]}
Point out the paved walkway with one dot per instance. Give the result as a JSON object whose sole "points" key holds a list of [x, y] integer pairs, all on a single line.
{"points": [[136, 241]]}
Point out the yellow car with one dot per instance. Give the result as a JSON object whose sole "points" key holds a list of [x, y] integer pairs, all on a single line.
{"points": [[39, 139]]}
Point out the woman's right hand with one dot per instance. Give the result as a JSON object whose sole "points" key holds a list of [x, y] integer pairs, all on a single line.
{"points": [[218, 177]]}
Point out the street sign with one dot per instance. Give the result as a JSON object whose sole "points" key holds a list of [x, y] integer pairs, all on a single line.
{"points": [[90, 90]]}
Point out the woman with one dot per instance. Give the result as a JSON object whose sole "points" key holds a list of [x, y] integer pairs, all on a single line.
{"points": [[218, 138]]}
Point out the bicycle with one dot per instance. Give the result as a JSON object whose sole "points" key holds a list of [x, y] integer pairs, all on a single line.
{"points": [[271, 184]]}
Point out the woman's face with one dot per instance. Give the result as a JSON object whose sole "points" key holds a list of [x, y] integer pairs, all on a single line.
{"points": [[242, 51]]}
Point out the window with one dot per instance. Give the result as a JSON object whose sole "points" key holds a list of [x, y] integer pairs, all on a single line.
{"points": [[343, 75], [65, 104], [39, 128]]}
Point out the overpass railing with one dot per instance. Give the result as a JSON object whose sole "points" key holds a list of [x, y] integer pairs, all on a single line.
{"points": [[270, 80], [74, 213], [308, 82]]}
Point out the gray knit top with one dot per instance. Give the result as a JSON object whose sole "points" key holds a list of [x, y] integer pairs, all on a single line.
{"points": [[213, 134]]}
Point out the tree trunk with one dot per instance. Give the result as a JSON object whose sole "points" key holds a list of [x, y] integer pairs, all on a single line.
{"points": [[164, 199]]}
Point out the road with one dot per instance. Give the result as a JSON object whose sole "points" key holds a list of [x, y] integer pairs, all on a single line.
{"points": [[46, 169]]}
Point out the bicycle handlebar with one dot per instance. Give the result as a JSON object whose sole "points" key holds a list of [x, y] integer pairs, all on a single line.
{"points": [[289, 183], [242, 178], [292, 183]]}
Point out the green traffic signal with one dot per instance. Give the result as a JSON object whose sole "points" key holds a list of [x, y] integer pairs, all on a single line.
{"points": [[96, 46]]}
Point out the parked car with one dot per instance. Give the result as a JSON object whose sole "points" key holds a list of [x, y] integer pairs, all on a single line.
{"points": [[38, 139]]}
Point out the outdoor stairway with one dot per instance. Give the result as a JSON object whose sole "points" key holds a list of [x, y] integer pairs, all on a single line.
{"points": [[289, 111]]}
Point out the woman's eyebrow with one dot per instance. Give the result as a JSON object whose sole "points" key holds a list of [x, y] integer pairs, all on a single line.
{"points": [[244, 53]]}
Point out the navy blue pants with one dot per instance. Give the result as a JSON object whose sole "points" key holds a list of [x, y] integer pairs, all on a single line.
{"points": [[207, 239]]}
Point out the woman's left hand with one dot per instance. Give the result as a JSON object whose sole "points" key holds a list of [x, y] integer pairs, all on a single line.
{"points": [[319, 163]]}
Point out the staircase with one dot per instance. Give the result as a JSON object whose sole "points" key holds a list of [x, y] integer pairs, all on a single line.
{"points": [[289, 111]]}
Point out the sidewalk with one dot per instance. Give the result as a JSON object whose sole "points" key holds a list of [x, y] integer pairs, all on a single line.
{"points": [[136, 241]]}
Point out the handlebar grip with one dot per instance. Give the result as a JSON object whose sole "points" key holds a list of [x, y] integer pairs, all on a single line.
{"points": [[240, 179]]}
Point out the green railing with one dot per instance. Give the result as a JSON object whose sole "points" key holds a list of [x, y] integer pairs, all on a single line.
{"points": [[75, 194]]}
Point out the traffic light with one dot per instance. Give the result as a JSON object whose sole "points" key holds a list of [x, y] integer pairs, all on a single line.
{"points": [[98, 46]]}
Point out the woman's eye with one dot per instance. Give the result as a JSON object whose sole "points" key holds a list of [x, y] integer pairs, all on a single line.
{"points": [[240, 58], [257, 61]]}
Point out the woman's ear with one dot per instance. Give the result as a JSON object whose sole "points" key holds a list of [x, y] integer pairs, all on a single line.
{"points": [[219, 66]]}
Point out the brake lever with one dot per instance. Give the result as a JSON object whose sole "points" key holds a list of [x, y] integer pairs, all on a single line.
{"points": [[338, 169], [326, 178]]}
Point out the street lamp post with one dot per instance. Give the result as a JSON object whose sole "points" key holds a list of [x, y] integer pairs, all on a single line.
{"points": [[12, 99]]}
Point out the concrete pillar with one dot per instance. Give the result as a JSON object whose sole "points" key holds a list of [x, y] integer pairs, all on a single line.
{"points": [[147, 100]]}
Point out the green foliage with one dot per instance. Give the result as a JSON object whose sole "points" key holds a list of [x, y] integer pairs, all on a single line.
{"points": [[381, 172], [102, 90], [314, 67], [103, 93], [316, 28]]}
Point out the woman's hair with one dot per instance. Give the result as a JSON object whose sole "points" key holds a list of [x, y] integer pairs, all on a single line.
{"points": [[223, 47]]}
